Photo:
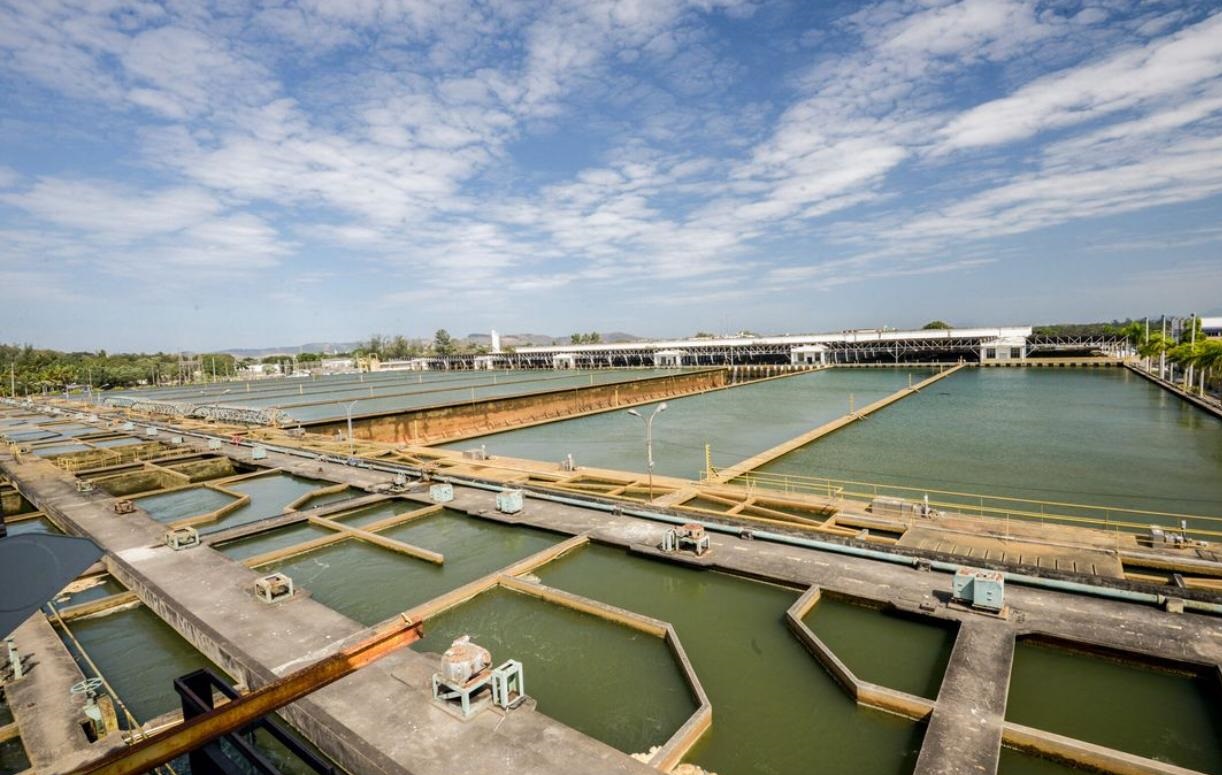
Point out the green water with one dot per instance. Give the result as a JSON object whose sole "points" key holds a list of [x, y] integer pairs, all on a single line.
{"points": [[332, 497], [1019, 763], [776, 711], [180, 504], [60, 449], [737, 423], [369, 583], [371, 514], [12, 757], [885, 648], [268, 496], [633, 698], [26, 527], [140, 656], [1153, 713], [1096, 436], [124, 441], [272, 540]]}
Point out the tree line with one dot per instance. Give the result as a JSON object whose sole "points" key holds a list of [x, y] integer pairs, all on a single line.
{"points": [[25, 369], [1191, 352]]}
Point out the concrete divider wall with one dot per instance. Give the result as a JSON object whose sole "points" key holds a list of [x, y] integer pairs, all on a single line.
{"points": [[1084, 754], [863, 692], [436, 424]]}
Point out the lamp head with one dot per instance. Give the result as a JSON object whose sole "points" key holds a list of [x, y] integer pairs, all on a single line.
{"points": [[661, 407], [634, 413]]}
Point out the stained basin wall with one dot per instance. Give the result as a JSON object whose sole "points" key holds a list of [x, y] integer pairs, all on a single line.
{"points": [[426, 426]]}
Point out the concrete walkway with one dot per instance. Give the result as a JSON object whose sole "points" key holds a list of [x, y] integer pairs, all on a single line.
{"points": [[379, 720], [45, 710], [964, 734]]}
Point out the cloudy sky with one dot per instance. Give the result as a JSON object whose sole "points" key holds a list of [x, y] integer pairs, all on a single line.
{"points": [[190, 175]]}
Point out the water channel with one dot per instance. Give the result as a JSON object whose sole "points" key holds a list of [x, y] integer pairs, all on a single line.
{"points": [[736, 423], [1103, 437]]}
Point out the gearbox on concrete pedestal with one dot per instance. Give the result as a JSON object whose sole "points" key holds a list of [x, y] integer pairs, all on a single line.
{"points": [[467, 683]]}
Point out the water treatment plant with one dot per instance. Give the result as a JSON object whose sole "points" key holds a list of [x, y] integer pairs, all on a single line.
{"points": [[959, 551]]}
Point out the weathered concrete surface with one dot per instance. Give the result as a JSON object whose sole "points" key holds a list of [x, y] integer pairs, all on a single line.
{"points": [[1041, 553], [433, 425], [369, 722], [965, 730], [45, 710]]}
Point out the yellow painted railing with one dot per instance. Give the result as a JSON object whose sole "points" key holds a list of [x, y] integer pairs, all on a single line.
{"points": [[983, 505]]}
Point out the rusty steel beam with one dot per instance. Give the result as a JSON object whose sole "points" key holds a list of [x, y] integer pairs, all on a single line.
{"points": [[176, 741]]}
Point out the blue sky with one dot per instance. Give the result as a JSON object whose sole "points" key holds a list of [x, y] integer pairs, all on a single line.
{"points": [[187, 175]]}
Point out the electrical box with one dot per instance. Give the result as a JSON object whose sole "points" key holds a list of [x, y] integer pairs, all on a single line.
{"points": [[441, 493], [214, 443], [979, 589], [885, 506], [480, 453], [258, 453], [509, 501], [150, 432], [176, 439], [989, 591]]}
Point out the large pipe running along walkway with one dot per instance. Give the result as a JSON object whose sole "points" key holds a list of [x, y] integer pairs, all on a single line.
{"points": [[767, 456]]}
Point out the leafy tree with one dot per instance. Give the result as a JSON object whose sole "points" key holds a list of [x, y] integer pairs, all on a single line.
{"points": [[443, 343], [936, 325]]}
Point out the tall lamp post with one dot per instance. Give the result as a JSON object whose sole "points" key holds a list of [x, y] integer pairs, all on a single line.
{"points": [[649, 438], [351, 443]]}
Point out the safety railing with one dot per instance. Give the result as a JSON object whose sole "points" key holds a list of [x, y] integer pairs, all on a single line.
{"points": [[1131, 520]]}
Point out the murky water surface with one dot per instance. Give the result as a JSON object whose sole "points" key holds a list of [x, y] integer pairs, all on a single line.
{"points": [[606, 680], [369, 583], [1160, 715], [736, 423], [1097, 436], [885, 648], [776, 711]]}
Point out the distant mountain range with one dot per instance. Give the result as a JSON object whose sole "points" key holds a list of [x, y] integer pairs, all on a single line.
{"points": [[525, 340], [507, 340]]}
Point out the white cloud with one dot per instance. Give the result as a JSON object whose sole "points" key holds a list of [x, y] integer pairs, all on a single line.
{"points": [[389, 136], [1165, 68]]}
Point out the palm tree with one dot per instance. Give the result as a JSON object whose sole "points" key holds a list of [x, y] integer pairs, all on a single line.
{"points": [[1154, 346]]}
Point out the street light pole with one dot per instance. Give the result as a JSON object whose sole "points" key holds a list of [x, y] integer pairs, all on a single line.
{"points": [[351, 444], [649, 438]]}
